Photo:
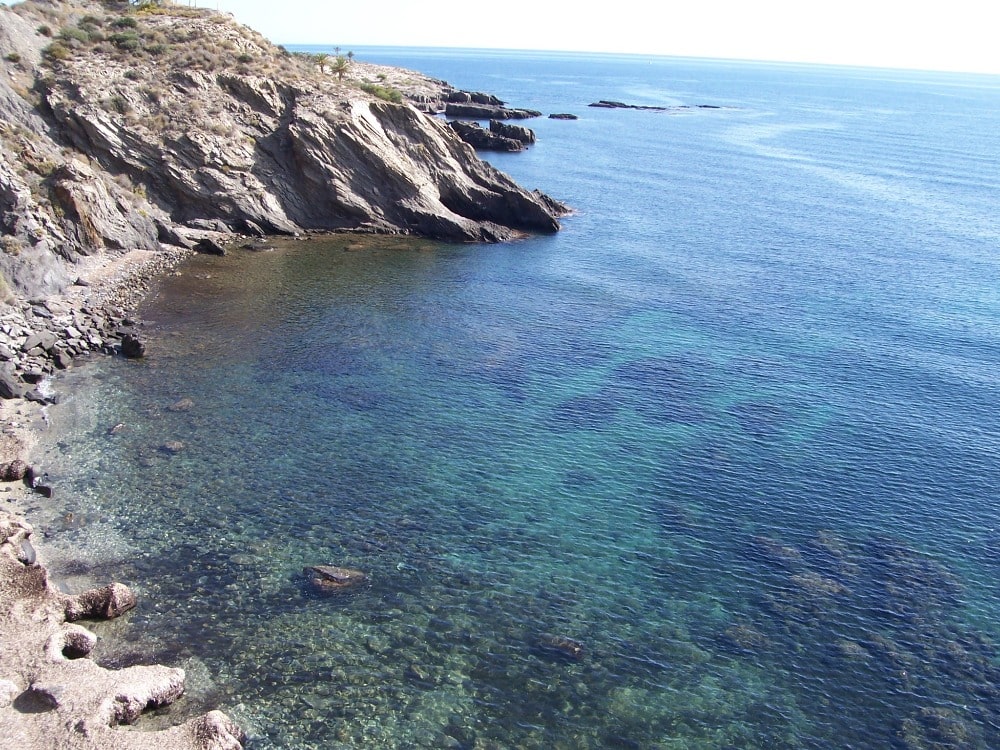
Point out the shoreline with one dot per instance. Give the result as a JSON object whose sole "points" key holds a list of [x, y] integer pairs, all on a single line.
{"points": [[51, 695]]}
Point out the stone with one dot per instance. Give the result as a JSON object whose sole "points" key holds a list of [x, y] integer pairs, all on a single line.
{"points": [[563, 116], [106, 603], [480, 138], [44, 340], [559, 647], [11, 387], [333, 579], [132, 347], [172, 447], [62, 359], [488, 112], [184, 404], [208, 246], [517, 132]]}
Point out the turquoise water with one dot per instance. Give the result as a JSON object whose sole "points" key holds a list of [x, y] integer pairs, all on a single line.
{"points": [[733, 430]]}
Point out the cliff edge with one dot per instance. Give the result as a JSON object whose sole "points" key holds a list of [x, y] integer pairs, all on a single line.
{"points": [[122, 127]]}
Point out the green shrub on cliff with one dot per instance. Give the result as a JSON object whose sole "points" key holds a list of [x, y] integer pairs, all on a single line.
{"points": [[55, 52], [385, 93]]}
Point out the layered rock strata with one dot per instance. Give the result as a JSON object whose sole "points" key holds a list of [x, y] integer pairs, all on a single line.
{"points": [[126, 132]]}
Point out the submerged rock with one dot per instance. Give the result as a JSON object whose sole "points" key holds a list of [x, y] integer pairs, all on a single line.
{"points": [[333, 579], [559, 647]]}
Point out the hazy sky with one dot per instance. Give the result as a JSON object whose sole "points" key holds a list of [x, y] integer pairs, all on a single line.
{"points": [[945, 35]]}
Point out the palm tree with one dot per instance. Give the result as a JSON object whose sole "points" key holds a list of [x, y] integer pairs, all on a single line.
{"points": [[321, 58], [340, 66]]}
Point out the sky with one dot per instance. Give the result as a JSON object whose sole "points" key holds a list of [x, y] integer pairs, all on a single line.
{"points": [[957, 35]]}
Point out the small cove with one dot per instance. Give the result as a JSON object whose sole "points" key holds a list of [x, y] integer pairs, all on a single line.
{"points": [[729, 436]]}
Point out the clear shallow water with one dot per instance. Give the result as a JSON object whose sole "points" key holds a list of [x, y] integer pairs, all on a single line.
{"points": [[732, 430]]}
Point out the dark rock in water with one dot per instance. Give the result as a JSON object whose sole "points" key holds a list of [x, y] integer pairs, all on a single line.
{"points": [[607, 104], [172, 447], [417, 673], [480, 138], [209, 246], [559, 647], [563, 116], [475, 97], [517, 132], [332, 579], [185, 404], [45, 490], [132, 346], [489, 112]]}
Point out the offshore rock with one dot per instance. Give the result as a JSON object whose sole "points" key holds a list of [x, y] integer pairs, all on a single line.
{"points": [[333, 579], [559, 647], [517, 132], [563, 116], [474, 97], [489, 112], [487, 140]]}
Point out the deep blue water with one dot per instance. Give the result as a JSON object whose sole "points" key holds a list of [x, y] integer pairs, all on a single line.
{"points": [[734, 430]]}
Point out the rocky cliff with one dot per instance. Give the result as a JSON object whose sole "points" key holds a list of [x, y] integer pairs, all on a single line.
{"points": [[126, 129], [123, 128]]}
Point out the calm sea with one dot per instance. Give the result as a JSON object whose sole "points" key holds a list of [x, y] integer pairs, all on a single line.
{"points": [[734, 431]]}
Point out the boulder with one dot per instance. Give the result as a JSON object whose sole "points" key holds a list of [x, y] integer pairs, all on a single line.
{"points": [[517, 132], [563, 116], [11, 386], [559, 647], [132, 346], [208, 246], [489, 112], [333, 579], [474, 97], [480, 138]]}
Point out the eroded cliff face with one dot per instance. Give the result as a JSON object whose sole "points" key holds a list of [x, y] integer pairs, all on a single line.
{"points": [[121, 130]]}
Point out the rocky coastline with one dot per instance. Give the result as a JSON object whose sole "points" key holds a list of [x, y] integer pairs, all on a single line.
{"points": [[130, 138]]}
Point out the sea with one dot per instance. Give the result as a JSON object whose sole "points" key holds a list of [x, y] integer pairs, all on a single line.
{"points": [[717, 466]]}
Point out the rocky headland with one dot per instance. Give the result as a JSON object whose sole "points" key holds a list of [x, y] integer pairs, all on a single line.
{"points": [[132, 134]]}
